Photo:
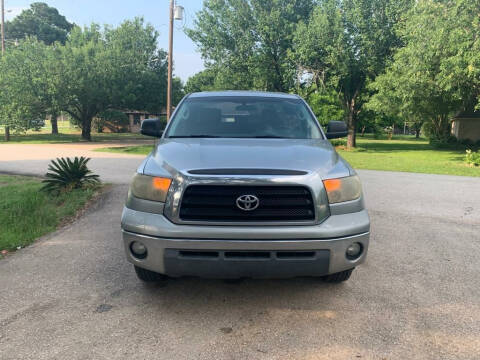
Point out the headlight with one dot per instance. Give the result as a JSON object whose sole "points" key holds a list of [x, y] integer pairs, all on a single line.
{"points": [[343, 189], [150, 187]]}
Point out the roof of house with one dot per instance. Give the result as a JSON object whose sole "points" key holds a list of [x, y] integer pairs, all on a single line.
{"points": [[467, 115]]}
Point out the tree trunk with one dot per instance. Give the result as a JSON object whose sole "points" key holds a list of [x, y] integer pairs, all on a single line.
{"points": [[351, 139], [87, 128], [53, 121], [7, 133], [363, 130], [417, 133]]}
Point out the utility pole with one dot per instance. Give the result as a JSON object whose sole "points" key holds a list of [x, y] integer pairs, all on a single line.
{"points": [[176, 13], [170, 59]]}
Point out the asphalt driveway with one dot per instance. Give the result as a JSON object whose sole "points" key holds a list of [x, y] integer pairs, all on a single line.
{"points": [[72, 294]]}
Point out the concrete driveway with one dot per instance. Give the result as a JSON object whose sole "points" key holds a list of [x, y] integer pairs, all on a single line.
{"points": [[72, 295]]}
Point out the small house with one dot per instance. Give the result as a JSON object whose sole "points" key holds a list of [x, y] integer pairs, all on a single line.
{"points": [[466, 125]]}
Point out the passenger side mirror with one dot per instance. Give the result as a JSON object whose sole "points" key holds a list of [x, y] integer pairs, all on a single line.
{"points": [[336, 129], [151, 127]]}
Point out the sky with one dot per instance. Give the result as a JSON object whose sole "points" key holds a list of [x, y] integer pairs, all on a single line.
{"points": [[187, 61]]}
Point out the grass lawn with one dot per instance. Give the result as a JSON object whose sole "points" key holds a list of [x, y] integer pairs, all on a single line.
{"points": [[403, 153], [26, 213]]}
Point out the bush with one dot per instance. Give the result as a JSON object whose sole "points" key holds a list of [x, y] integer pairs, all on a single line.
{"points": [[114, 120], [377, 131], [338, 142], [444, 143], [66, 175], [472, 158], [438, 138], [36, 124]]}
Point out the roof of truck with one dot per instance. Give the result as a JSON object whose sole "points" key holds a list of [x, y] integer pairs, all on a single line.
{"points": [[244, 93]]}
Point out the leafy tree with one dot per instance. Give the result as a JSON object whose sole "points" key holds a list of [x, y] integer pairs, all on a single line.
{"points": [[41, 21], [346, 44], [105, 69], [435, 73], [201, 81], [323, 102], [460, 68], [47, 25], [96, 70], [247, 42], [29, 84]]}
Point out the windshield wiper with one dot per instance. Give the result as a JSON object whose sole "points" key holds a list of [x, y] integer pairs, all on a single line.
{"points": [[194, 136]]}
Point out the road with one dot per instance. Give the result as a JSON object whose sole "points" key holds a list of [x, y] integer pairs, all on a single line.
{"points": [[33, 159], [72, 294]]}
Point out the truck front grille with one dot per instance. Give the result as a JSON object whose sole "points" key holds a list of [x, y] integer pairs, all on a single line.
{"points": [[219, 203]]}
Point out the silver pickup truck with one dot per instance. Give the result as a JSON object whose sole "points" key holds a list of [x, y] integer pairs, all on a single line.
{"points": [[244, 184]]}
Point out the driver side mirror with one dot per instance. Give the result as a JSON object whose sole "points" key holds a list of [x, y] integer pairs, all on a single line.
{"points": [[336, 129], [151, 127]]}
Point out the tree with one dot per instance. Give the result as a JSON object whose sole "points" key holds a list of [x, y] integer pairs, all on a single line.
{"points": [[110, 69], [47, 25], [247, 42], [29, 84], [460, 66], [323, 102], [434, 74], [42, 21], [201, 81], [96, 70], [345, 45]]}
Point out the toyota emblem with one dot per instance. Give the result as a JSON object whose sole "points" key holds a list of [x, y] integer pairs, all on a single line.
{"points": [[247, 202]]}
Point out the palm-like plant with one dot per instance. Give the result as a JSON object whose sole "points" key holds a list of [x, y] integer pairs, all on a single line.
{"points": [[65, 174]]}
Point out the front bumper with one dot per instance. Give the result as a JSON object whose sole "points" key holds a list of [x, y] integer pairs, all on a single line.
{"points": [[178, 250]]}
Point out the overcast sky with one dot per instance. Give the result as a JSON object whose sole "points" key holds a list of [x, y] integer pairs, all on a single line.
{"points": [[82, 12]]}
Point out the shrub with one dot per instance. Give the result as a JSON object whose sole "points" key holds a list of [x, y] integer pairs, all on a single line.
{"points": [[114, 120], [472, 158], [377, 132], [338, 142], [446, 142], [66, 175]]}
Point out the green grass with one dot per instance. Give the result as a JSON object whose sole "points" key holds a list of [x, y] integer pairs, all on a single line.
{"points": [[132, 150], [403, 153], [26, 213]]}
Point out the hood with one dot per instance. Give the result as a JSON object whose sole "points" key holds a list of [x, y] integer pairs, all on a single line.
{"points": [[308, 155]]}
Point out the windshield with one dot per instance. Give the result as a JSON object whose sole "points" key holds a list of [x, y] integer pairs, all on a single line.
{"points": [[244, 117]]}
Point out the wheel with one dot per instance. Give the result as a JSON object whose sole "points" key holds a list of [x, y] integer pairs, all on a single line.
{"points": [[149, 276], [338, 277]]}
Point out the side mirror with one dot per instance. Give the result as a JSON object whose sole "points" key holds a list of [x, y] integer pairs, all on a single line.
{"points": [[151, 127], [336, 129]]}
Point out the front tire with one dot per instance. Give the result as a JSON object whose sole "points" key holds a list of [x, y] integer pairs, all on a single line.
{"points": [[149, 276], [338, 277]]}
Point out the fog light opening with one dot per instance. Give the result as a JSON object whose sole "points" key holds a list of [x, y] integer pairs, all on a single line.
{"points": [[138, 250], [354, 251]]}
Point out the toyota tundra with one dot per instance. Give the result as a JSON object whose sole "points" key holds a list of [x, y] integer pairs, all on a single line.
{"points": [[244, 184]]}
